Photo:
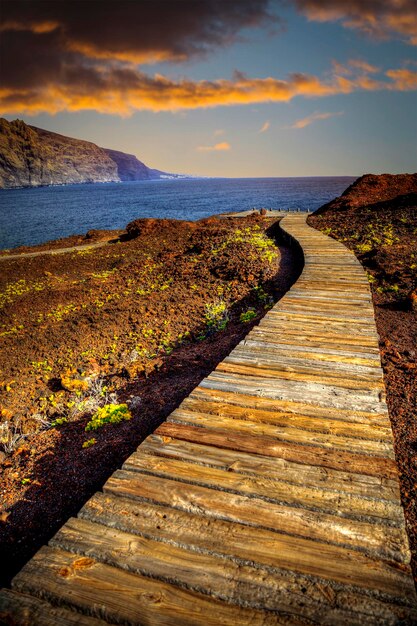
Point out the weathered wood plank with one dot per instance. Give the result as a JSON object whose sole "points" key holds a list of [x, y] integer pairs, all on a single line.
{"points": [[326, 295], [311, 336], [19, 609], [268, 356], [290, 592], [317, 393], [284, 551], [222, 577], [314, 346], [321, 328], [327, 302], [273, 468], [289, 433], [287, 419], [363, 324], [272, 370], [115, 595], [322, 505], [268, 446], [358, 416]]}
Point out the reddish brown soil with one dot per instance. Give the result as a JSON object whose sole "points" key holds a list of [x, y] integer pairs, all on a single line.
{"points": [[377, 218], [134, 315]]}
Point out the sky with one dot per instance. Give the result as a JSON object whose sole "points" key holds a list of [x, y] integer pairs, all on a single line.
{"points": [[235, 88]]}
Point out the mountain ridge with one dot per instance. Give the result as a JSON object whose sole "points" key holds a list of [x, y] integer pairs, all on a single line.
{"points": [[35, 157]]}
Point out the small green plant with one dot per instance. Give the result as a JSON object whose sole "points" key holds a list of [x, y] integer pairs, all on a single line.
{"points": [[216, 316], [264, 297], [247, 316], [59, 421], [363, 248], [108, 414], [389, 288], [89, 442], [254, 237]]}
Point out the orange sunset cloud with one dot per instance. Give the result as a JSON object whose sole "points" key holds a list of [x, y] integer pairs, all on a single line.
{"points": [[379, 18], [223, 146], [314, 117], [123, 90]]}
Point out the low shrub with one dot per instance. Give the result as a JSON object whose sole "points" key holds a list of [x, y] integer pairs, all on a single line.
{"points": [[109, 414]]}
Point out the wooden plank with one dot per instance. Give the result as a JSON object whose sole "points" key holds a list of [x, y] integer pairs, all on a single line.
{"points": [[327, 283], [24, 610], [273, 468], [282, 551], [308, 333], [324, 305], [319, 326], [303, 337], [317, 518], [290, 592], [199, 571], [267, 446], [118, 596], [310, 345], [268, 356], [329, 299], [271, 370], [362, 323], [289, 433], [318, 353], [288, 419], [357, 416], [317, 393], [327, 295]]}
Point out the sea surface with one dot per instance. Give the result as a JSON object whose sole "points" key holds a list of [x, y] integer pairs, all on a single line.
{"points": [[32, 216]]}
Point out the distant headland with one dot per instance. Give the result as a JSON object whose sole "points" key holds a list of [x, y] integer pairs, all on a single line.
{"points": [[33, 157]]}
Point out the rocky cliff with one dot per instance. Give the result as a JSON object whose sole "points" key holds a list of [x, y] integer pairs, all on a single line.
{"points": [[371, 189], [128, 166], [32, 157]]}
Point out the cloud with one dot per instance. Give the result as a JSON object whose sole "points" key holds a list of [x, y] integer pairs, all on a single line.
{"points": [[354, 65], [136, 31], [122, 89], [403, 79], [264, 127], [377, 18], [76, 55], [219, 132], [314, 117], [364, 66], [221, 147]]}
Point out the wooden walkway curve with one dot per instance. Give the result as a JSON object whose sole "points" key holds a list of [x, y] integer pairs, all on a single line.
{"points": [[270, 496]]}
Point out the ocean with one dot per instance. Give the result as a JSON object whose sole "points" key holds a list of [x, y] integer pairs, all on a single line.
{"points": [[33, 216]]}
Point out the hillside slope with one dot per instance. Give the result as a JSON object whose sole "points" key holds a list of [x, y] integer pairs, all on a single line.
{"points": [[30, 157], [370, 189], [33, 157]]}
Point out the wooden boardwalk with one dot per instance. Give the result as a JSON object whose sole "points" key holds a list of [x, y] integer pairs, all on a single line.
{"points": [[270, 496]]}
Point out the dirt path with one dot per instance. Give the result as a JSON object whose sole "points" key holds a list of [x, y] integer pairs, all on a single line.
{"points": [[88, 246]]}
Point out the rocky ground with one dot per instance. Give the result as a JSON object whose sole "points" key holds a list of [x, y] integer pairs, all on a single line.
{"points": [[377, 218], [137, 322]]}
